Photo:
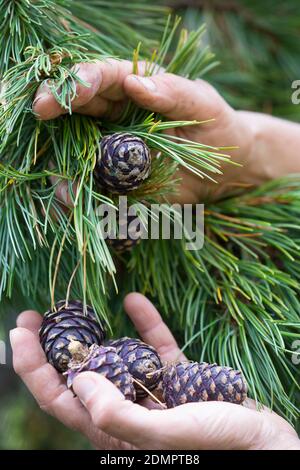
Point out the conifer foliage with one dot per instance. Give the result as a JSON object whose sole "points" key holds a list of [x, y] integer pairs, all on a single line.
{"points": [[234, 302]]}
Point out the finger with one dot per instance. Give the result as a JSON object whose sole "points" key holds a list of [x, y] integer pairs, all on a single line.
{"points": [[30, 320], [96, 107], [63, 191], [251, 404], [223, 425], [151, 326], [176, 97], [105, 78], [45, 105], [99, 107], [46, 385], [113, 73], [210, 425], [110, 412], [49, 388], [150, 404]]}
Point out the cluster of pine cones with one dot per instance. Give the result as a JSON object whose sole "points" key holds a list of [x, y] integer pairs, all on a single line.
{"points": [[74, 341]]}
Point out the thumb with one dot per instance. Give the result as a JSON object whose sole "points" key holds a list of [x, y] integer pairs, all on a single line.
{"points": [[176, 97], [109, 410], [94, 390], [206, 425], [45, 105]]}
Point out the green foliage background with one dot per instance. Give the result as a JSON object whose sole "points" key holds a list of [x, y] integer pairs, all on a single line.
{"points": [[257, 44]]}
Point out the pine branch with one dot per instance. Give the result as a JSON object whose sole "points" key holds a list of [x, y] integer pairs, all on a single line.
{"points": [[70, 146], [225, 302]]}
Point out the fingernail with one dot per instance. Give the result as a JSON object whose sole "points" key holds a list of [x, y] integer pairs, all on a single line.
{"points": [[147, 83], [40, 95], [84, 387], [43, 92], [13, 335], [36, 100]]}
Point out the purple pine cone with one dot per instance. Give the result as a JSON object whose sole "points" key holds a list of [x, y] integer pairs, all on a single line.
{"points": [[65, 324], [188, 382], [104, 361], [129, 233], [121, 245], [141, 360], [123, 164]]}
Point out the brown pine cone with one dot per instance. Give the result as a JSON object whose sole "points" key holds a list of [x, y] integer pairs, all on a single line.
{"points": [[188, 382], [129, 238]]}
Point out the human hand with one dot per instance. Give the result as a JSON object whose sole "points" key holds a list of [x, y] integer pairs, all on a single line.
{"points": [[113, 84], [109, 421]]}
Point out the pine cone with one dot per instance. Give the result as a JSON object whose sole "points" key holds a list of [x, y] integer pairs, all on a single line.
{"points": [[104, 361], [141, 359], [130, 238], [123, 164], [65, 324], [188, 382], [121, 245]]}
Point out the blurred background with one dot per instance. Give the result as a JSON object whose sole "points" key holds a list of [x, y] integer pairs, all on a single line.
{"points": [[257, 45]]}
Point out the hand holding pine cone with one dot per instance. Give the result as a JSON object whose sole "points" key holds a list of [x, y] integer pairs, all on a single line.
{"points": [[73, 343]]}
